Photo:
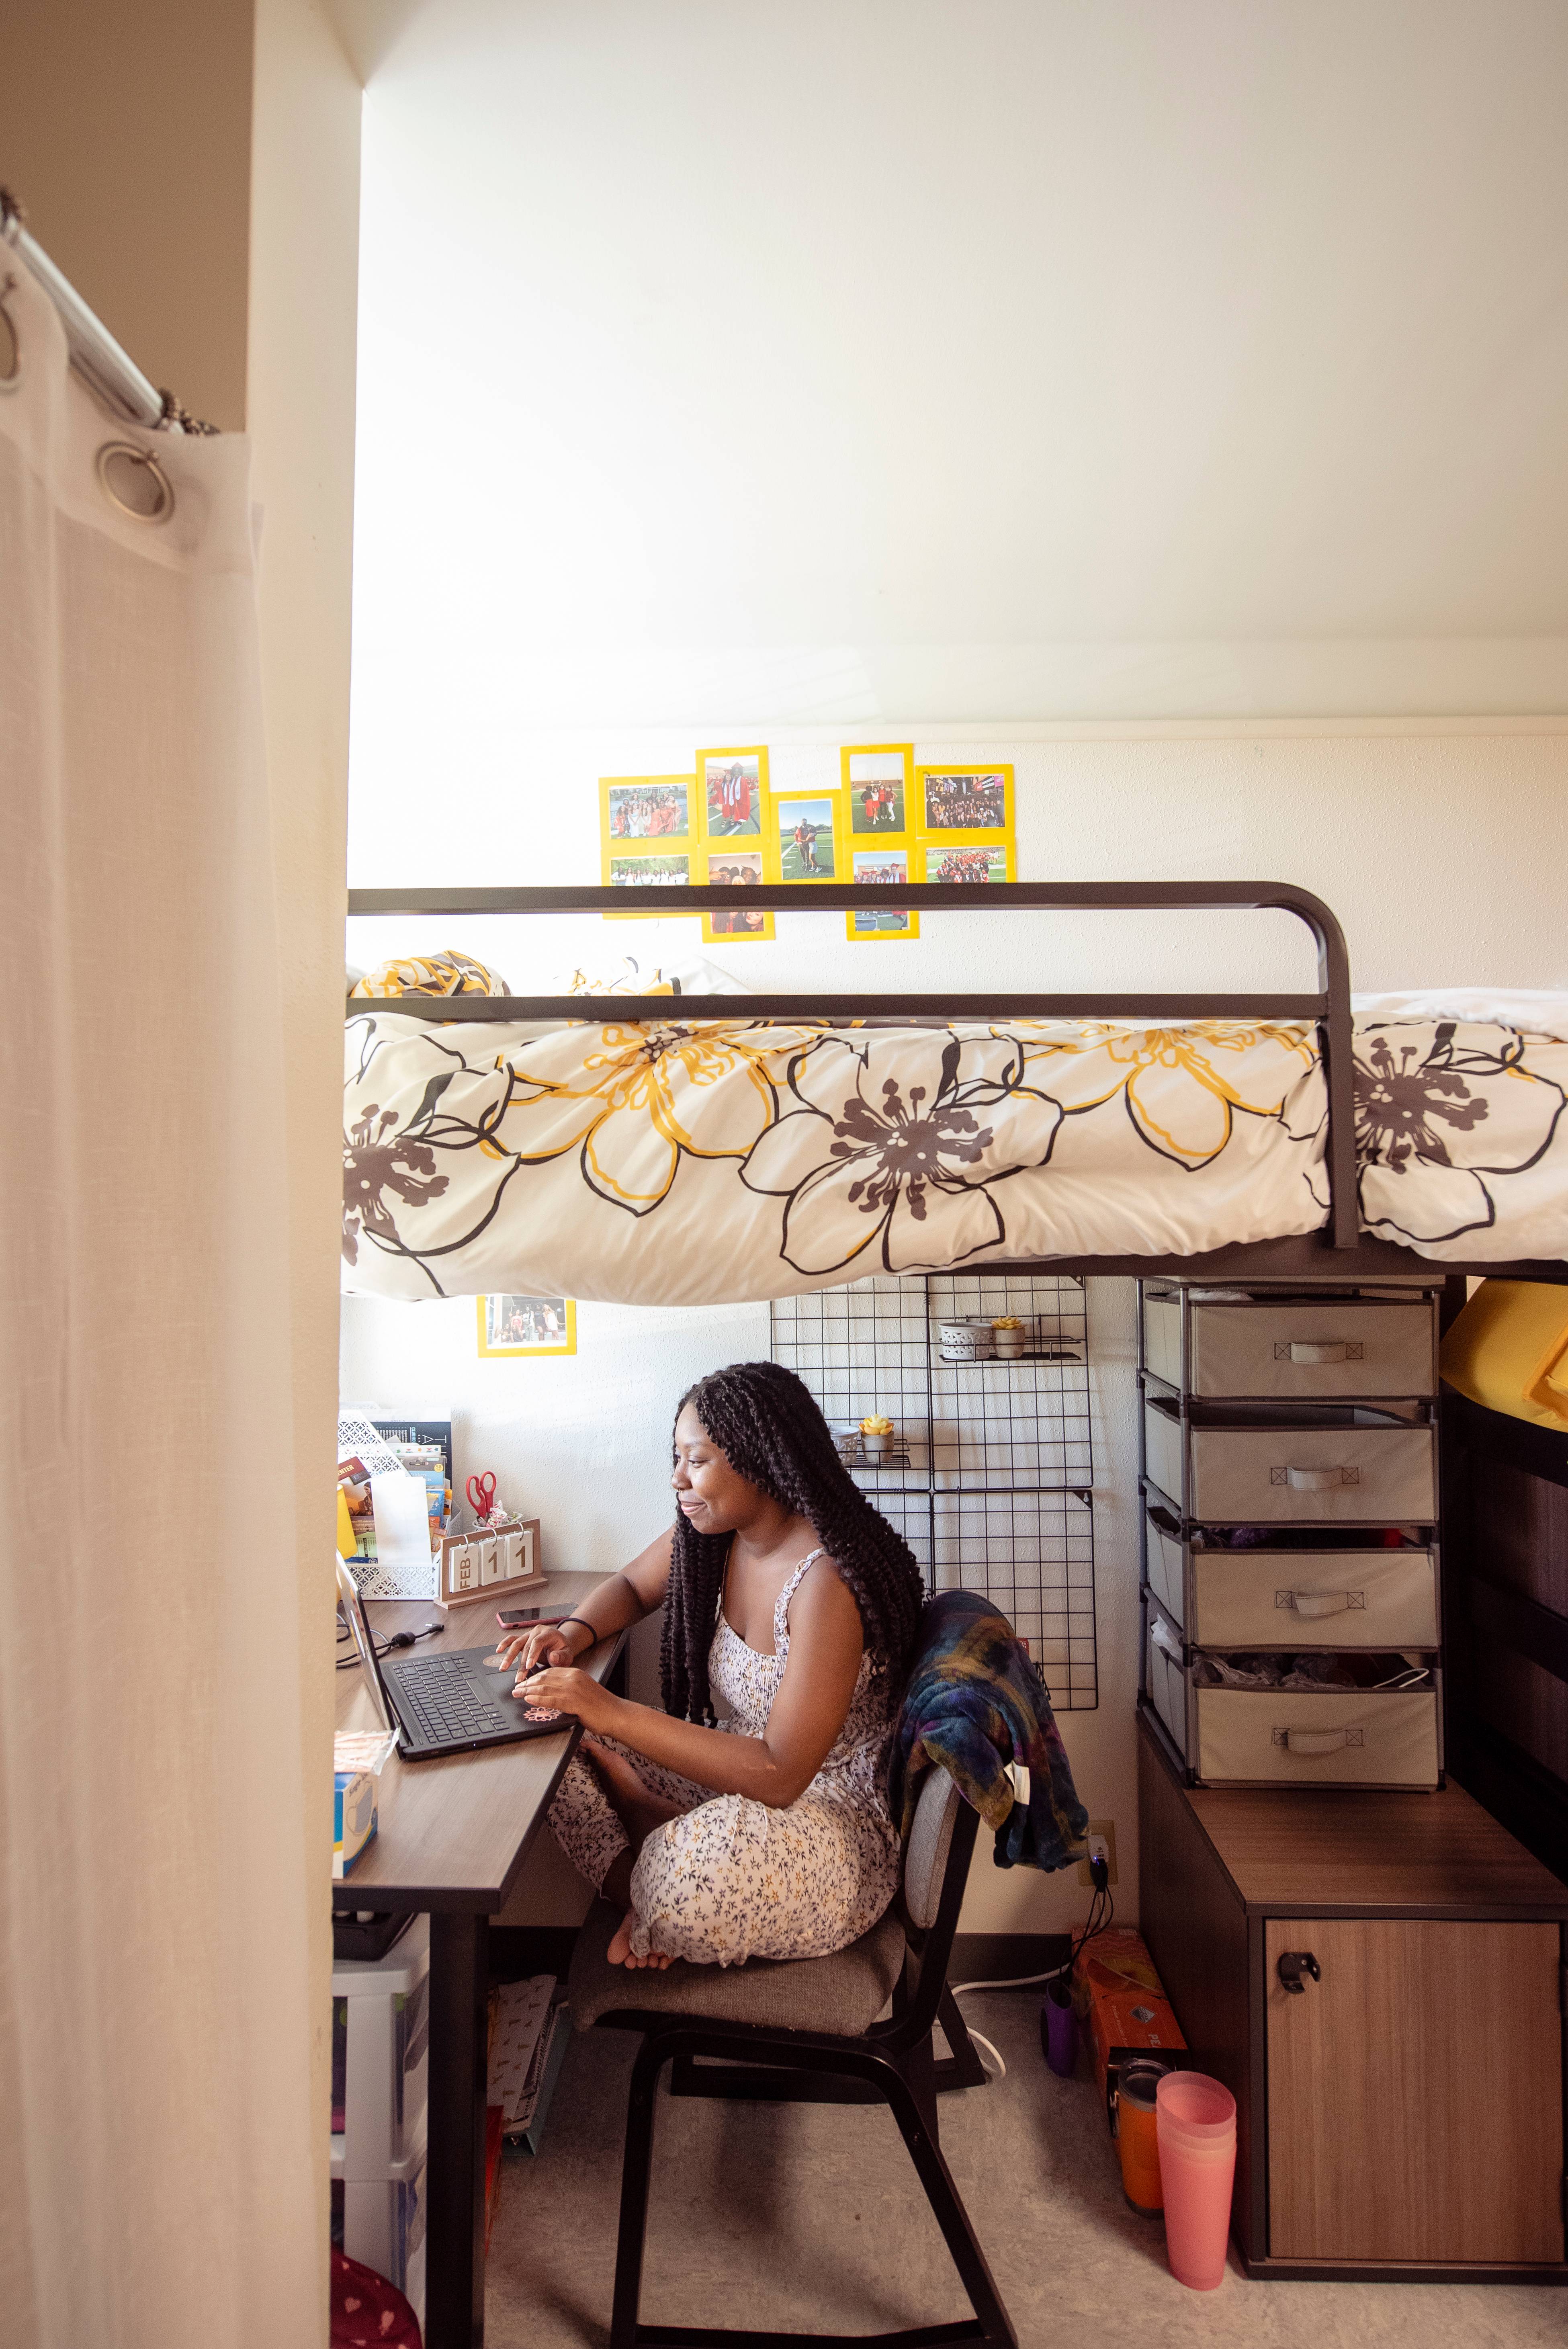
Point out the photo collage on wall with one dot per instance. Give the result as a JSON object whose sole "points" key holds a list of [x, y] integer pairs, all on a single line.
{"points": [[888, 822]]}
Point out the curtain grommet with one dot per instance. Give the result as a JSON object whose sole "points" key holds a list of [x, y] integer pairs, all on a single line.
{"points": [[126, 473]]}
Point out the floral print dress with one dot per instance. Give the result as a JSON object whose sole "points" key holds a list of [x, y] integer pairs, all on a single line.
{"points": [[732, 1879]]}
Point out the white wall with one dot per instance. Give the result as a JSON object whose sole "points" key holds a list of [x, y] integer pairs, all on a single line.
{"points": [[962, 360]]}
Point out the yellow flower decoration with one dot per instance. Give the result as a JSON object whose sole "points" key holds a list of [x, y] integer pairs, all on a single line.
{"points": [[649, 1093], [1182, 1085]]}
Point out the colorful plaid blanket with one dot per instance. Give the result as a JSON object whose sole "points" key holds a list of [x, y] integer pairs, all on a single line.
{"points": [[974, 1704]]}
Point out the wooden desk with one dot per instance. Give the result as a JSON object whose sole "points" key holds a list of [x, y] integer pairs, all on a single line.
{"points": [[452, 1839]]}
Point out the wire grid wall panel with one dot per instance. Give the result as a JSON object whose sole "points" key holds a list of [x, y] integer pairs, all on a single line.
{"points": [[990, 1469]]}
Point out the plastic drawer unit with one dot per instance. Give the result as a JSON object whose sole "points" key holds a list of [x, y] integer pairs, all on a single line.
{"points": [[380, 2097], [1264, 1347]]}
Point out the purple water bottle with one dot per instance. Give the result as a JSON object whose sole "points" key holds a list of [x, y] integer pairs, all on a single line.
{"points": [[1059, 2030]]}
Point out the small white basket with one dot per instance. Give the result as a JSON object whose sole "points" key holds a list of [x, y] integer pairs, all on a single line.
{"points": [[971, 1340]]}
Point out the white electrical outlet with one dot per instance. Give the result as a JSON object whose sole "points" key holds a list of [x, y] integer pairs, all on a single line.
{"points": [[1100, 1840]]}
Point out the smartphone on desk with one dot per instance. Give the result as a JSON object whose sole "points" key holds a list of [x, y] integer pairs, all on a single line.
{"points": [[511, 1619]]}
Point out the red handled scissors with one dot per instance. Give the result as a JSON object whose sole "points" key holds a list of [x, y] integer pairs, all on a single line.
{"points": [[481, 1494]]}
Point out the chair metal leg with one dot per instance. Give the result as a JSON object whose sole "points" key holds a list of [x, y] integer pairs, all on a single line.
{"points": [[637, 2171], [849, 2060]]}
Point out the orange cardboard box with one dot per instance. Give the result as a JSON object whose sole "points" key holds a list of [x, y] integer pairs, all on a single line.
{"points": [[1118, 1998]]}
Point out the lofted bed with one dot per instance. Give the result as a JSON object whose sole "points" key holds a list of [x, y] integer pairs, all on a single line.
{"points": [[690, 1149]]}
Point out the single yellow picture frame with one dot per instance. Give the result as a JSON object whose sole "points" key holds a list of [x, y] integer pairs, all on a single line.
{"points": [[645, 799], [499, 1314], [680, 867], [878, 783], [961, 789], [733, 793], [806, 837], [738, 862], [966, 860], [874, 928]]}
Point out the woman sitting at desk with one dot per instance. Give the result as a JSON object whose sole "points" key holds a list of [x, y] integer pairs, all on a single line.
{"points": [[793, 1600]]}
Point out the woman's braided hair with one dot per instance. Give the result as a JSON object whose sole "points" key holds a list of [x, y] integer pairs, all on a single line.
{"points": [[768, 1428]]}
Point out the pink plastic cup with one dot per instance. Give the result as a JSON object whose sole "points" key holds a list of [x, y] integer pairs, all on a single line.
{"points": [[1195, 2122]]}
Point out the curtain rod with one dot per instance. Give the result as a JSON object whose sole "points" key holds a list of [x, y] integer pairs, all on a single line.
{"points": [[98, 358]]}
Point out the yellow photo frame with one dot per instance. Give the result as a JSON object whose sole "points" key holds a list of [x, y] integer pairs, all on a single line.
{"points": [[964, 799], [676, 867], [733, 864], [805, 841], [878, 779], [870, 862], [643, 806], [511, 1327], [733, 793], [962, 861]]}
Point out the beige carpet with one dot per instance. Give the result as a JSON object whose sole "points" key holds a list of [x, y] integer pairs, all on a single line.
{"points": [[810, 2218]]}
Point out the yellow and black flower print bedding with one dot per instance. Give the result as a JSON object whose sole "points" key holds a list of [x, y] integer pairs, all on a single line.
{"points": [[688, 1162]]}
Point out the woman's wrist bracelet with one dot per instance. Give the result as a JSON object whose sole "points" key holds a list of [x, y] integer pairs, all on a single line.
{"points": [[593, 1635]]}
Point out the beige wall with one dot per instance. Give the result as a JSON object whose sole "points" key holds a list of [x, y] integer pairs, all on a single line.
{"points": [[125, 134]]}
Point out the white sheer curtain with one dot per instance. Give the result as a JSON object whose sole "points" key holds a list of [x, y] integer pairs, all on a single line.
{"points": [[159, 1839]]}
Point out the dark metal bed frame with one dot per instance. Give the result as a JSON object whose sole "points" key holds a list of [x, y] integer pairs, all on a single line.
{"points": [[1340, 1253]]}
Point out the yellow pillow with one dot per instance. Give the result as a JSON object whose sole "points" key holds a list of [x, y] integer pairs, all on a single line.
{"points": [[1509, 1349]]}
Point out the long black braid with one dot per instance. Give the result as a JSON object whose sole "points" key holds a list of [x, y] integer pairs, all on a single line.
{"points": [[768, 1428]]}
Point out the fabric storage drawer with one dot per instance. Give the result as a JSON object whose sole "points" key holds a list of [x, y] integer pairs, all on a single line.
{"points": [[1317, 1469], [1165, 1554], [1167, 1678], [1360, 1737], [1313, 1598], [1285, 1352]]}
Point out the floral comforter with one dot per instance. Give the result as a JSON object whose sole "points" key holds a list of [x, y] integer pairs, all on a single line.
{"points": [[685, 1163]]}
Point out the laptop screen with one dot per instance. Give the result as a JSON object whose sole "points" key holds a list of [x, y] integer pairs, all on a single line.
{"points": [[353, 1610]]}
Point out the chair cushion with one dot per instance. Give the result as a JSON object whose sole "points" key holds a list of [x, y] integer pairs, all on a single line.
{"points": [[843, 1993]]}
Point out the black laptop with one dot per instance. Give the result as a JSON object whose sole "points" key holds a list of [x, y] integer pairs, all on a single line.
{"points": [[448, 1702]]}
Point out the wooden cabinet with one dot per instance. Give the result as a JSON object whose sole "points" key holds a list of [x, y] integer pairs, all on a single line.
{"points": [[1402, 2113]]}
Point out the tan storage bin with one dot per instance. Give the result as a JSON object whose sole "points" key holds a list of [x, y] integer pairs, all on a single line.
{"points": [[1162, 1447], [1342, 1738], [1289, 1352], [1313, 1476], [1164, 1553], [1303, 1599], [1167, 1680], [1163, 1337]]}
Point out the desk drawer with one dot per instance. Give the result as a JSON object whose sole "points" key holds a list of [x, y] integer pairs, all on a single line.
{"points": [[1295, 1351], [1340, 1738], [1323, 1469], [1312, 1599]]}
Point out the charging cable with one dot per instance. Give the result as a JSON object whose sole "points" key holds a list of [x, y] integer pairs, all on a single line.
{"points": [[1101, 1910], [384, 1648]]}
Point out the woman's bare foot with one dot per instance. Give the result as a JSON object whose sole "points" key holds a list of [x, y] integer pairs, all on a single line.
{"points": [[639, 1811], [621, 1953]]}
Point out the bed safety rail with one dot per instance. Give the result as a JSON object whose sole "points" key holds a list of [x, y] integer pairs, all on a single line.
{"points": [[1329, 1006]]}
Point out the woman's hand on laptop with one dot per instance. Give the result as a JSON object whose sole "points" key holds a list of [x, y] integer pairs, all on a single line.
{"points": [[541, 1643], [563, 1689]]}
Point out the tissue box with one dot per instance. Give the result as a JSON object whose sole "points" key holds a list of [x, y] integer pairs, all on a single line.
{"points": [[352, 1816], [357, 1756]]}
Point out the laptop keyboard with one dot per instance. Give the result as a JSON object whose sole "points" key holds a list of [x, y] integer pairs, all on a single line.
{"points": [[442, 1701]]}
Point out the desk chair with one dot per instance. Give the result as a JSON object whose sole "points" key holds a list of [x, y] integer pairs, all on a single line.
{"points": [[802, 2031]]}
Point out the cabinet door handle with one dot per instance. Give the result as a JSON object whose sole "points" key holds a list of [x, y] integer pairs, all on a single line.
{"points": [[1293, 1964]]}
